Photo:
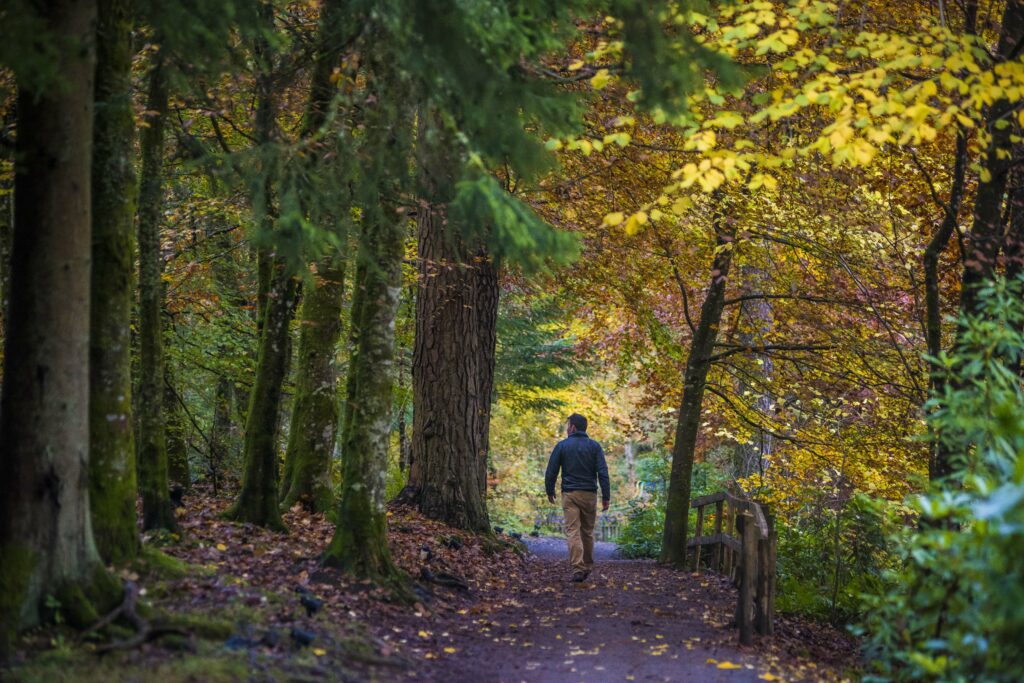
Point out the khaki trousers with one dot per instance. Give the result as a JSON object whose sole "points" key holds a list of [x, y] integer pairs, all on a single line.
{"points": [[580, 508]]}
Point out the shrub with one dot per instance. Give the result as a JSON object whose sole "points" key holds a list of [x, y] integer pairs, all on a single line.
{"points": [[956, 612]]}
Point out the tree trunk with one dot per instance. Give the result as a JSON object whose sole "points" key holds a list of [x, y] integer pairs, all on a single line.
{"points": [[938, 464], [257, 501], [112, 476], [157, 511], [223, 426], [677, 509], [360, 543], [453, 356], [46, 537], [220, 432], [750, 458], [7, 127], [986, 230], [314, 421], [178, 471]]}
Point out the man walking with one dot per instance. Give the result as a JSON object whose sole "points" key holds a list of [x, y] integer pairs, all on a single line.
{"points": [[582, 464]]}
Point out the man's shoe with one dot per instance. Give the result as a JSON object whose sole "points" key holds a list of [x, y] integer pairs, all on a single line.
{"points": [[579, 576]]}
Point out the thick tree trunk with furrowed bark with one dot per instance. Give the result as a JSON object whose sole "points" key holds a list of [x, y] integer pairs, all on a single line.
{"points": [[46, 537], [157, 511], [677, 508], [112, 476], [453, 356]]}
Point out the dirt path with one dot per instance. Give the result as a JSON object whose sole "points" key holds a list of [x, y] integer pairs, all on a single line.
{"points": [[631, 620]]}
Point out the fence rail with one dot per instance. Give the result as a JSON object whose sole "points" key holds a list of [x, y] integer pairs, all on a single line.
{"points": [[742, 547], [607, 529]]}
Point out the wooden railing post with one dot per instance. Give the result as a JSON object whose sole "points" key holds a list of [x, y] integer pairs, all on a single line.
{"points": [[719, 547], [748, 577], [730, 555], [697, 535]]}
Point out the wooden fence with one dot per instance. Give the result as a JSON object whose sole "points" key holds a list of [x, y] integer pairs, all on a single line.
{"points": [[607, 528], [743, 548]]}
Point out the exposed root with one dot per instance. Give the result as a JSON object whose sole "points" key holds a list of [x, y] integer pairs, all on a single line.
{"points": [[144, 631]]}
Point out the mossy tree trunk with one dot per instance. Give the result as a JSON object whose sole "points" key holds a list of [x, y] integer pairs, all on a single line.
{"points": [[259, 498], [307, 478], [112, 478], [677, 507], [257, 501], [360, 543], [453, 354], [157, 511], [46, 536]]}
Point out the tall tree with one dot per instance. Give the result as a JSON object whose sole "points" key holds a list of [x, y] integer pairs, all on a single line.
{"points": [[258, 499], [673, 547], [307, 473], [360, 542], [46, 536], [311, 436], [453, 353], [986, 229], [112, 477], [157, 511]]}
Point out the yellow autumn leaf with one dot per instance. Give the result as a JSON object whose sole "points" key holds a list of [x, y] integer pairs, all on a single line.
{"points": [[635, 222], [728, 665], [319, 651], [450, 650], [576, 66], [769, 677], [600, 79], [423, 634], [614, 219], [221, 547]]}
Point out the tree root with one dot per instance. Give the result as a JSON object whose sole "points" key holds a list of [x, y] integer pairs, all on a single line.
{"points": [[444, 579], [144, 631]]}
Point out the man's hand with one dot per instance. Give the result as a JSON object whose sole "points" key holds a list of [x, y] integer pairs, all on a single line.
{"points": [[551, 499], [604, 505]]}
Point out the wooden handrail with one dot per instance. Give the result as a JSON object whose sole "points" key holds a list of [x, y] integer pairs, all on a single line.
{"points": [[743, 547]]}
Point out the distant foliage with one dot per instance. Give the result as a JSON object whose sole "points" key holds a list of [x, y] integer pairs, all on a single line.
{"points": [[645, 521], [956, 609]]}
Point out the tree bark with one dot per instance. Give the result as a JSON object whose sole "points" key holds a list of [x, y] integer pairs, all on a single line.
{"points": [[178, 471], [314, 421], [112, 476], [46, 536], [986, 229], [360, 545], [677, 508], [453, 355], [7, 127], [157, 511], [257, 500], [938, 464]]}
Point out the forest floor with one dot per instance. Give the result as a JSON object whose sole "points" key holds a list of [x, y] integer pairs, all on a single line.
{"points": [[235, 593]]}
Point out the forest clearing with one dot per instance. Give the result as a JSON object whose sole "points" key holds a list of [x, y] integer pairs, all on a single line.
{"points": [[512, 340]]}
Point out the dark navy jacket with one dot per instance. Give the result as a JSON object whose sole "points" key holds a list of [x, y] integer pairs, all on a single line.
{"points": [[582, 463]]}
